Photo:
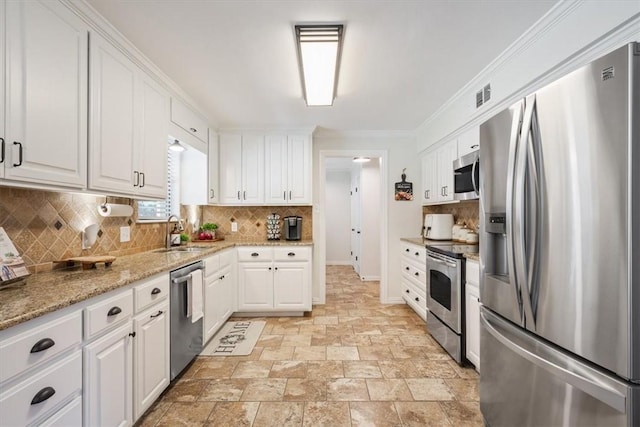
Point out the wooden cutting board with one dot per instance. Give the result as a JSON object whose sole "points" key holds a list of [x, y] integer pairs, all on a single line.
{"points": [[89, 262]]}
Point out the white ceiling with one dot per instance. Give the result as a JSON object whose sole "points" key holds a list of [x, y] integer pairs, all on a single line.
{"points": [[401, 60]]}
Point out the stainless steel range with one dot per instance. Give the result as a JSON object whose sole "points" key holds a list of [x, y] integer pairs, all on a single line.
{"points": [[445, 296]]}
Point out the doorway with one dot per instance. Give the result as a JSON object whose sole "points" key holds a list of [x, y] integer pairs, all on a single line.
{"points": [[351, 217]]}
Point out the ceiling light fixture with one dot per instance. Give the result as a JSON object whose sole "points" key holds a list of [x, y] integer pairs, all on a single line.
{"points": [[361, 159], [176, 146], [319, 49]]}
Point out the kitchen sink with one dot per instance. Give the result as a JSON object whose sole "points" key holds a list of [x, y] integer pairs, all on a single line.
{"points": [[180, 249]]}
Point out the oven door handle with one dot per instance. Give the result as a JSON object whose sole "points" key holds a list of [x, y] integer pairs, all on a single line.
{"points": [[440, 261]]}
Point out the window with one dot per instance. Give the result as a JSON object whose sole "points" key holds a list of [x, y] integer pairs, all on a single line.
{"points": [[160, 210]]}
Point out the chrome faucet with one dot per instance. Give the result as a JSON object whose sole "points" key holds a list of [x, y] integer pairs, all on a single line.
{"points": [[169, 232]]}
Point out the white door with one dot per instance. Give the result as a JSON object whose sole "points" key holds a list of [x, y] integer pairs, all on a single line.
{"points": [[255, 286], [112, 111], [276, 169], [213, 169], [299, 167], [230, 168], [447, 154], [355, 221], [108, 379], [152, 154], [472, 311], [228, 294], [152, 356], [212, 314], [290, 286], [253, 169], [46, 98]]}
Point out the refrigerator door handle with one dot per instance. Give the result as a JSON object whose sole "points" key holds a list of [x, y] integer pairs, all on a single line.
{"points": [[524, 273], [514, 142], [579, 378]]}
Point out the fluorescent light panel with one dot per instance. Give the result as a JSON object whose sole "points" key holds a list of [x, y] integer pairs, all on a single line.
{"points": [[319, 48]]}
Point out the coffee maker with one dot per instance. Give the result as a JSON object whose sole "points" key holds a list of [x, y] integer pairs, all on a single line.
{"points": [[292, 227]]}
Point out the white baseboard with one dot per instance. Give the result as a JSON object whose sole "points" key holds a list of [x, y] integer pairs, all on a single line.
{"points": [[338, 263], [395, 300], [370, 278]]}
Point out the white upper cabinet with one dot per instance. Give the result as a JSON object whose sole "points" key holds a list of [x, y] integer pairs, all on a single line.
{"points": [[241, 166], [45, 104], [230, 168], [288, 169], [437, 173], [189, 121], [214, 192], [469, 141], [447, 154], [152, 155], [129, 116]]}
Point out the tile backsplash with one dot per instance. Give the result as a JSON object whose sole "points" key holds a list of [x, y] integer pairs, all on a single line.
{"points": [[46, 226], [251, 220], [466, 211]]}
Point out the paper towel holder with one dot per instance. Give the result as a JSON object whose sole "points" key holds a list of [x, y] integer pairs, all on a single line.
{"points": [[89, 235]]}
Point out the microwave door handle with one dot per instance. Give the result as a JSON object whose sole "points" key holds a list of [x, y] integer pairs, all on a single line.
{"points": [[473, 176], [513, 149]]}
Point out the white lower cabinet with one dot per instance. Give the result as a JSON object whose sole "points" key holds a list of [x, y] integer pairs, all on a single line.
{"points": [[69, 416], [414, 280], [219, 291], [151, 356], [472, 311], [274, 279], [108, 365]]}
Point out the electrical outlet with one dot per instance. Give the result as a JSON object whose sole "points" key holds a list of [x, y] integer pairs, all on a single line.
{"points": [[234, 227], [125, 234]]}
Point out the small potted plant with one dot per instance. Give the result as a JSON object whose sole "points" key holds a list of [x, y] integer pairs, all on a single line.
{"points": [[207, 231], [184, 238]]}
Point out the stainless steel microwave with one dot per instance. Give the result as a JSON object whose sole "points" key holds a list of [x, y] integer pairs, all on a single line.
{"points": [[466, 177]]}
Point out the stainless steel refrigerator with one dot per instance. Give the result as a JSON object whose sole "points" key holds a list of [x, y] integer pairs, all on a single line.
{"points": [[560, 252]]}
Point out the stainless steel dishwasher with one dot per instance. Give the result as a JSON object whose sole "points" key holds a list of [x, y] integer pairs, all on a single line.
{"points": [[186, 336]]}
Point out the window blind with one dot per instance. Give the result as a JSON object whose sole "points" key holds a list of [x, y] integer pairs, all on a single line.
{"points": [[160, 210]]}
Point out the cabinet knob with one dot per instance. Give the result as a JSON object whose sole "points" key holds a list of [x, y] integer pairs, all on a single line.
{"points": [[417, 299], [417, 253], [43, 395], [132, 334], [416, 274], [114, 310], [406, 268], [193, 130], [269, 268], [276, 269], [406, 291], [406, 250], [155, 291], [42, 345]]}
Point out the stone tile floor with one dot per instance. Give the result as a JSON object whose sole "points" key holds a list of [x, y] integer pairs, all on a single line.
{"points": [[353, 362]]}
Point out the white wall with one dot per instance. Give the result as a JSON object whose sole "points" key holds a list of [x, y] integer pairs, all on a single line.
{"points": [[403, 217], [370, 219], [338, 217], [572, 34]]}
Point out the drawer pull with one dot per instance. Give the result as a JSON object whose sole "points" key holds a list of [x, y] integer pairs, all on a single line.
{"points": [[43, 395], [291, 254], [255, 254], [114, 310], [157, 314], [155, 291], [132, 334], [194, 130], [42, 345]]}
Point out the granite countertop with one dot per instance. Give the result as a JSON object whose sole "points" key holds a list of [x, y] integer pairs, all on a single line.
{"points": [[424, 242], [48, 292]]}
